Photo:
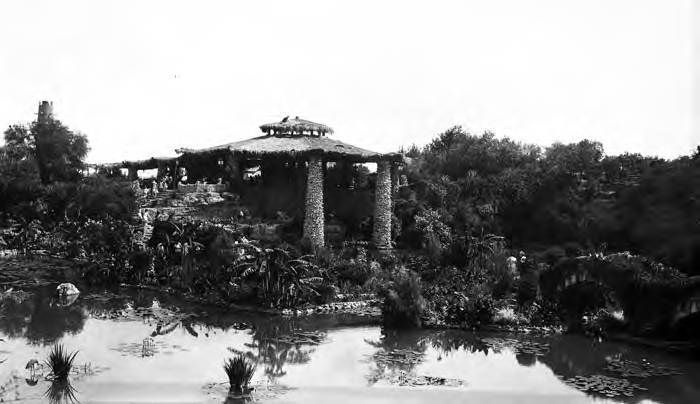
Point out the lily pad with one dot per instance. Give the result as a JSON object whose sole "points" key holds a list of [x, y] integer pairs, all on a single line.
{"points": [[640, 369], [603, 385], [517, 346]]}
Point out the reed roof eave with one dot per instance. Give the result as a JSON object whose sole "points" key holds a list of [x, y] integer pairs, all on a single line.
{"points": [[296, 147], [145, 164]]}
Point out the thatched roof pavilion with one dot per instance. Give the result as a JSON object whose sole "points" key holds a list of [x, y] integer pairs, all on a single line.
{"points": [[305, 140]]}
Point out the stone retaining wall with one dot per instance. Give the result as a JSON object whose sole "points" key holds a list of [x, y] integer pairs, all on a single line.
{"points": [[191, 188]]}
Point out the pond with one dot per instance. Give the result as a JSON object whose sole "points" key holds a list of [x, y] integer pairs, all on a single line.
{"points": [[138, 346]]}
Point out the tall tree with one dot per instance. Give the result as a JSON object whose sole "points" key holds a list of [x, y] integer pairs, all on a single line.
{"points": [[59, 152]]}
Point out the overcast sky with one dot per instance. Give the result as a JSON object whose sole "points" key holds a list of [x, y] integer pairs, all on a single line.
{"points": [[143, 78]]}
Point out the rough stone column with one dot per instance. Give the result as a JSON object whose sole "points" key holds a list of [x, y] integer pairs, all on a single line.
{"points": [[394, 194], [381, 235], [232, 166], [313, 212], [133, 173]]}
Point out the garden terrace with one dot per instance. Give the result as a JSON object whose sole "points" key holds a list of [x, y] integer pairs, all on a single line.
{"points": [[287, 170]]}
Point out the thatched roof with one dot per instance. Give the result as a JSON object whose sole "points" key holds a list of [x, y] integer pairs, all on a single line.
{"points": [[288, 145], [296, 126], [298, 138]]}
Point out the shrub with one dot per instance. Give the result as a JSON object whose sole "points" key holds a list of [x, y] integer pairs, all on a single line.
{"points": [[553, 255], [436, 234], [508, 316], [60, 362], [403, 305], [239, 370], [545, 312], [356, 273], [474, 308], [528, 284], [99, 197]]}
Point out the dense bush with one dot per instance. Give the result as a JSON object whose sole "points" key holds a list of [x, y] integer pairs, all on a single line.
{"points": [[473, 308], [528, 283], [402, 305], [566, 196]]}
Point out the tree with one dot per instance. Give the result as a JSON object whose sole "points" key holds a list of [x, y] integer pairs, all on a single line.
{"points": [[19, 177], [35, 161], [59, 152], [53, 149]]}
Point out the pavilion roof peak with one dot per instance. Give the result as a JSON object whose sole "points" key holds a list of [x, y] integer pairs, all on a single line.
{"points": [[295, 127]]}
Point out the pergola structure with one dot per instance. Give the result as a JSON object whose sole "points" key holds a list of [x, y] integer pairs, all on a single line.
{"points": [[307, 142], [163, 164]]}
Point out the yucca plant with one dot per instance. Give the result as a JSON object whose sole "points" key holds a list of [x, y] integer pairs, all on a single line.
{"points": [[60, 392], [60, 361], [239, 370]]}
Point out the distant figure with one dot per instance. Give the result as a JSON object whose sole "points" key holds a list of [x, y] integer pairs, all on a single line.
{"points": [[154, 188]]}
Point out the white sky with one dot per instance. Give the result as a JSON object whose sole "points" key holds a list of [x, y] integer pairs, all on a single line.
{"points": [[143, 78]]}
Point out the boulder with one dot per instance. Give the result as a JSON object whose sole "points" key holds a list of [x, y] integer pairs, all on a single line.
{"points": [[67, 289]]}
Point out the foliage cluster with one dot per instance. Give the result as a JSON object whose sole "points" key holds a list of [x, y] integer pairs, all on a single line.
{"points": [[60, 362], [569, 196], [402, 302], [239, 370]]}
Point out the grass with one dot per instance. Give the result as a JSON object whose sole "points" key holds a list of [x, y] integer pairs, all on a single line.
{"points": [[239, 370], [60, 361]]}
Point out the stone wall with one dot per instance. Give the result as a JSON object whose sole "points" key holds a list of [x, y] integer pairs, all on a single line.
{"points": [[191, 188]]}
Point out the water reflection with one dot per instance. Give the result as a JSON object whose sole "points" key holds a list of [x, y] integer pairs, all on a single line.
{"points": [[60, 391], [149, 327], [400, 356], [40, 317], [276, 344], [398, 353]]}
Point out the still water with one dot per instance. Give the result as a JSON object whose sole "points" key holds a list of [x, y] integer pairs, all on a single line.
{"points": [[137, 346]]}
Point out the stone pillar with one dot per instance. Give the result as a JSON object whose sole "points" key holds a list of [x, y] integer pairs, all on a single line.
{"points": [[232, 166], [381, 236], [313, 209], [394, 195], [394, 182], [133, 173]]}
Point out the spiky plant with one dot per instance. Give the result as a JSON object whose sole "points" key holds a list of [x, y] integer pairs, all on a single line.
{"points": [[60, 361], [60, 392], [239, 370]]}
